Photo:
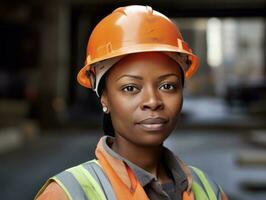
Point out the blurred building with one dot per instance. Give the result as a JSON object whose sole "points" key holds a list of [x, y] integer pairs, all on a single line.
{"points": [[43, 46]]}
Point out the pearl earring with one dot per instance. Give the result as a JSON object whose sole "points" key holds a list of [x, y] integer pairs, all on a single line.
{"points": [[105, 109]]}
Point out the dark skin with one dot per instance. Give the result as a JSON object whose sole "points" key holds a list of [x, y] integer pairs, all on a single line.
{"points": [[144, 96]]}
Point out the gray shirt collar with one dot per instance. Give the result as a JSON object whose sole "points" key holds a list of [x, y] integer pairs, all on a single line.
{"points": [[145, 177]]}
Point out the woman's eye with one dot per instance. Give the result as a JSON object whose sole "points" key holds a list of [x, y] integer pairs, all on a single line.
{"points": [[168, 86], [130, 88]]}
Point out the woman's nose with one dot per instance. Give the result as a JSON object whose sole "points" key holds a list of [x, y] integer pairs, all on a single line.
{"points": [[152, 100]]}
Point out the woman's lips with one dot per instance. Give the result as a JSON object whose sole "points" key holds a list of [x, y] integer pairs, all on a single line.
{"points": [[152, 124]]}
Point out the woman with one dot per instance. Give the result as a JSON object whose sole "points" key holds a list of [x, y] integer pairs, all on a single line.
{"points": [[136, 63]]}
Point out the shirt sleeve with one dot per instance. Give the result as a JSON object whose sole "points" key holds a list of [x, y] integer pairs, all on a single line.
{"points": [[53, 192]]}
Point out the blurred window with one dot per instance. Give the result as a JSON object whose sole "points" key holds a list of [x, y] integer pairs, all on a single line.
{"points": [[231, 51]]}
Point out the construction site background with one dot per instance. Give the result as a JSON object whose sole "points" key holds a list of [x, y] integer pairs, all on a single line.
{"points": [[49, 123]]}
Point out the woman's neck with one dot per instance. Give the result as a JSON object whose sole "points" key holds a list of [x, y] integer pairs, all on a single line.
{"points": [[148, 158]]}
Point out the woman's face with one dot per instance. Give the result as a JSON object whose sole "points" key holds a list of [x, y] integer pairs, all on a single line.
{"points": [[143, 93]]}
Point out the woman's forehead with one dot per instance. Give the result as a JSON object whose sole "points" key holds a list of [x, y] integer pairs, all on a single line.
{"points": [[145, 64]]}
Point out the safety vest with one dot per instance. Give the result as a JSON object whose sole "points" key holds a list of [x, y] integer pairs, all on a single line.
{"points": [[88, 181]]}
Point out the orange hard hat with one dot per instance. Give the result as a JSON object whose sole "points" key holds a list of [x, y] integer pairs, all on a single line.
{"points": [[133, 29]]}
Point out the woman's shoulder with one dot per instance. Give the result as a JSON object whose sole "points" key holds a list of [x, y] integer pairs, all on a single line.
{"points": [[198, 179], [201, 180], [53, 191], [84, 181], [59, 186]]}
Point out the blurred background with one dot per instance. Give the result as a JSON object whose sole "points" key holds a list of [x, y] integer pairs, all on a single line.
{"points": [[49, 123]]}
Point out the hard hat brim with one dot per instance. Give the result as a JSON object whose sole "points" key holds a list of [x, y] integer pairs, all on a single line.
{"points": [[139, 48]]}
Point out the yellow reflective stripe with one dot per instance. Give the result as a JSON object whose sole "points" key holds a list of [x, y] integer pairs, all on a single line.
{"points": [[198, 192], [205, 183], [90, 187], [62, 186], [95, 169]]}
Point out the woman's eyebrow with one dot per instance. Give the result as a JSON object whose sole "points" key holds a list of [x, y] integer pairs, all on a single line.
{"points": [[141, 78], [130, 76]]}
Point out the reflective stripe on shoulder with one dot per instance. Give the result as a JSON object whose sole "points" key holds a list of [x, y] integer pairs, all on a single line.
{"points": [[216, 188], [89, 185], [198, 191], [85, 182], [96, 171], [70, 185], [210, 188]]}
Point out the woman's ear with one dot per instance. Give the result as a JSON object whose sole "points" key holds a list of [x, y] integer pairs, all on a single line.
{"points": [[104, 100]]}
